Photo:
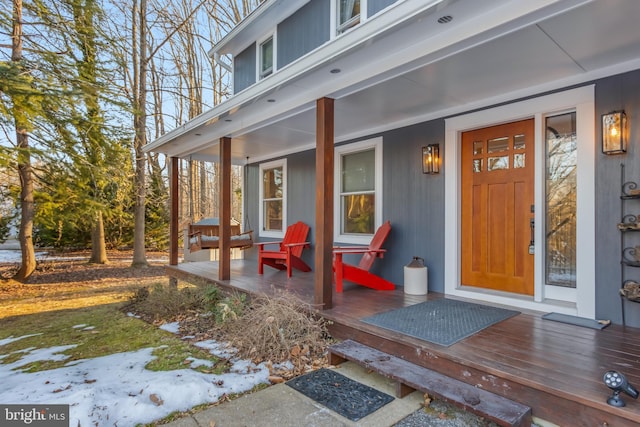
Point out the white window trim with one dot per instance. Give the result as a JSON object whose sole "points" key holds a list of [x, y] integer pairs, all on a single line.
{"points": [[376, 144], [333, 21], [581, 301], [259, 42], [271, 165]]}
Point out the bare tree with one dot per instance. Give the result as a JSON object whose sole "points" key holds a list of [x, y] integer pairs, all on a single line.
{"points": [[168, 35]]}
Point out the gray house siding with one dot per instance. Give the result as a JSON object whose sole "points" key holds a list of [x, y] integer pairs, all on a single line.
{"points": [[303, 31], [244, 69], [618, 92], [300, 198], [414, 203], [375, 6]]}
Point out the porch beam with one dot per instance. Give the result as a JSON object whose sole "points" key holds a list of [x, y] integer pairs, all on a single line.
{"points": [[323, 295], [224, 249], [173, 210]]}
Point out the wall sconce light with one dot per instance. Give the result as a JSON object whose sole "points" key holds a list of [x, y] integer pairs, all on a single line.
{"points": [[614, 132], [431, 159]]}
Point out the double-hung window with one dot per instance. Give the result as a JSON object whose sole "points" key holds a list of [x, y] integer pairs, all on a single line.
{"points": [[265, 60], [273, 203], [358, 191], [348, 14]]}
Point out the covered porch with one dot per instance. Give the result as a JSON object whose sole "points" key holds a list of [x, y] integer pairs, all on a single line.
{"points": [[554, 368]]}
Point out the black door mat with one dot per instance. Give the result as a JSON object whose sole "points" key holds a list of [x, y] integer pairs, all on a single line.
{"points": [[578, 321], [441, 321], [349, 398]]}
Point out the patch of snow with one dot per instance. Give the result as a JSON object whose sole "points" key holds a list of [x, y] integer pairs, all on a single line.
{"points": [[35, 355], [224, 351], [12, 339], [82, 325], [15, 256], [117, 389], [196, 363], [173, 327]]}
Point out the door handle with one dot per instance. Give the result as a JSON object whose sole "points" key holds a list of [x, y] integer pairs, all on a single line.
{"points": [[532, 240]]}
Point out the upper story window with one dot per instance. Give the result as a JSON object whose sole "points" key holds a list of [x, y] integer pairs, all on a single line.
{"points": [[265, 60], [273, 202], [348, 14], [358, 191]]}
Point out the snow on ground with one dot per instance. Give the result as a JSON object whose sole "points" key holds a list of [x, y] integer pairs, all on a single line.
{"points": [[172, 327], [117, 390], [9, 256], [13, 256]]}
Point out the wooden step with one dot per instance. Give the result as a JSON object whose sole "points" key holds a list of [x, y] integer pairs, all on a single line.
{"points": [[410, 377]]}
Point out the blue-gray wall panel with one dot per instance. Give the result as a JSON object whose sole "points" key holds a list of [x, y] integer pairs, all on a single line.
{"points": [[244, 69], [414, 203], [303, 31], [616, 93], [375, 6], [300, 198], [251, 209]]}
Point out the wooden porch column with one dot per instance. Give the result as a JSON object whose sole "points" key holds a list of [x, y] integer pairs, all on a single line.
{"points": [[324, 203], [224, 260], [173, 210]]}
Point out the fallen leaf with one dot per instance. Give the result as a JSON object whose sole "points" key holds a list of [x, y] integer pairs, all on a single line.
{"points": [[58, 390], [156, 400], [427, 399], [295, 350], [274, 379]]}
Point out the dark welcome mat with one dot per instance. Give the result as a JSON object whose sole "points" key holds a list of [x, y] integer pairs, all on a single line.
{"points": [[578, 321], [343, 395], [442, 321]]}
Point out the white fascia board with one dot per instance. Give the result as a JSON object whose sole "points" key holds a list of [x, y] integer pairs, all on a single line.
{"points": [[508, 12]]}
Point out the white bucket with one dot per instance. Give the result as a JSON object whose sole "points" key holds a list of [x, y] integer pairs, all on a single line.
{"points": [[415, 277]]}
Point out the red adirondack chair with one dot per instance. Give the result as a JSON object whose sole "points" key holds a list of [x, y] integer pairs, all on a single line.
{"points": [[360, 274], [289, 250]]}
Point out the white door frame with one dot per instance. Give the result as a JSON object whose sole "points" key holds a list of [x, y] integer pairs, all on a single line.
{"points": [[579, 301]]}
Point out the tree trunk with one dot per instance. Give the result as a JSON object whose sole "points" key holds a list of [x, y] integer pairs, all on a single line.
{"points": [[27, 209], [28, 265], [139, 124], [98, 247]]}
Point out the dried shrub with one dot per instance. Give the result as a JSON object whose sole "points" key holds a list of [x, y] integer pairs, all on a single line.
{"points": [[280, 328], [166, 303], [230, 307]]}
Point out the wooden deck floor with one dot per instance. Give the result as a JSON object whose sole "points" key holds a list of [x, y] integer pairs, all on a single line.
{"points": [[554, 368]]}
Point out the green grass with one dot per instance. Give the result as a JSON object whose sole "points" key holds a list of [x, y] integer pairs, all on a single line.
{"points": [[112, 332]]}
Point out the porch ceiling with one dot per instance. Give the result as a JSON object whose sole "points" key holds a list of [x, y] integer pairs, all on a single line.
{"points": [[383, 84]]}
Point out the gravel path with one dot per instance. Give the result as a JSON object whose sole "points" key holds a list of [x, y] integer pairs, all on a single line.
{"points": [[441, 414]]}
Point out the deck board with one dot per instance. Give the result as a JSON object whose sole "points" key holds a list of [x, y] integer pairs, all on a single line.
{"points": [[554, 368]]}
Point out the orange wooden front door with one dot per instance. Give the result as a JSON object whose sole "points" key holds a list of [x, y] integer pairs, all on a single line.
{"points": [[497, 207]]}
